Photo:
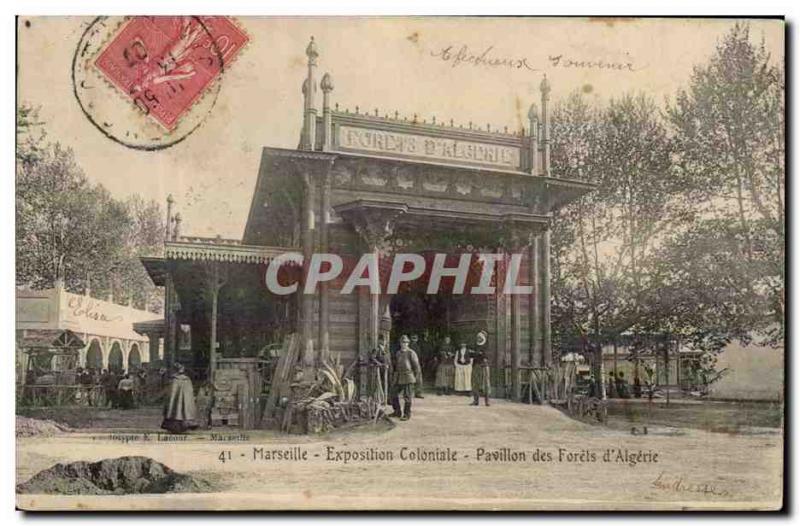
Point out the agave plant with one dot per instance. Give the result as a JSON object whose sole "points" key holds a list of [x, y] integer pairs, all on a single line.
{"points": [[342, 387]]}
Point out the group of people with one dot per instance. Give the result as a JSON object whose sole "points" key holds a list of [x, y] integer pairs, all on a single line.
{"points": [[112, 388], [618, 387], [464, 370], [461, 370]]}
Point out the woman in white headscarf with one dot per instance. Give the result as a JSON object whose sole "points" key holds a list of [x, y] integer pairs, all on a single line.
{"points": [[463, 365]]}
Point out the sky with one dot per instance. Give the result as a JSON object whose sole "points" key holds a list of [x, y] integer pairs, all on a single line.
{"points": [[393, 64]]}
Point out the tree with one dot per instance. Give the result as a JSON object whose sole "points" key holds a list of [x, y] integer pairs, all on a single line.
{"points": [[30, 134], [144, 237], [70, 230], [604, 239], [728, 131], [66, 228]]}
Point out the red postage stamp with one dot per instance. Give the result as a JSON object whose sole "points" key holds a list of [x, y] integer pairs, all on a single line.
{"points": [[165, 63]]}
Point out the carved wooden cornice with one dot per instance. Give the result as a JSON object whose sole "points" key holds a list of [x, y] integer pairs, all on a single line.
{"points": [[228, 253]]}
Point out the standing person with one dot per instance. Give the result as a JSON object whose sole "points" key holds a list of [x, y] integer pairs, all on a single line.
{"points": [[462, 364], [180, 411], [141, 386], [110, 388], [125, 392], [406, 372], [85, 380], [379, 370], [417, 348], [481, 373], [611, 392], [445, 369], [622, 386]]}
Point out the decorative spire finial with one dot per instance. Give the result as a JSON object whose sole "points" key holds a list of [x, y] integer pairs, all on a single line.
{"points": [[326, 83], [533, 112], [544, 87], [311, 51]]}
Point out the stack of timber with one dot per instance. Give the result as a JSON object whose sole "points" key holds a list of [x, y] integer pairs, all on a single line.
{"points": [[281, 381]]}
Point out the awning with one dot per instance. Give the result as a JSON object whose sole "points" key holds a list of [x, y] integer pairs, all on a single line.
{"points": [[64, 340]]}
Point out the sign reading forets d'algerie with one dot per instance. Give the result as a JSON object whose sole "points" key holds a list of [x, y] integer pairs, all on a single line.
{"points": [[435, 148]]}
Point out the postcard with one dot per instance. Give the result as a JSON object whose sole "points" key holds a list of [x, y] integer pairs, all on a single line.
{"points": [[402, 263]]}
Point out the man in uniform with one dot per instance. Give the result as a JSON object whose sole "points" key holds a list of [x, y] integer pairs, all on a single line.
{"points": [[406, 374], [379, 370]]}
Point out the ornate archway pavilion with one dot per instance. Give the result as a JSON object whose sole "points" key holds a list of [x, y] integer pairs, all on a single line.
{"points": [[364, 183]]}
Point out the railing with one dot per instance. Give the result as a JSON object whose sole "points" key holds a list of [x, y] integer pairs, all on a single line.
{"points": [[82, 395], [558, 385], [62, 395]]}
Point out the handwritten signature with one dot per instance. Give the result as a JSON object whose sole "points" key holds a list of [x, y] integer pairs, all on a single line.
{"points": [[487, 58], [680, 484]]}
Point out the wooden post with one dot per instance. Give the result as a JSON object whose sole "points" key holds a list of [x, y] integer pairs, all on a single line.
{"points": [[375, 310], [152, 345], [324, 295], [534, 322], [215, 281], [212, 356], [544, 296], [171, 322], [307, 300], [516, 393]]}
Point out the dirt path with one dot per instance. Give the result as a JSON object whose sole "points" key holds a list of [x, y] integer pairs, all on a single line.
{"points": [[537, 458]]}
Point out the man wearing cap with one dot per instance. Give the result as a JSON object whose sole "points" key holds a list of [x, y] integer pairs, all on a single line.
{"points": [[406, 374], [481, 374]]}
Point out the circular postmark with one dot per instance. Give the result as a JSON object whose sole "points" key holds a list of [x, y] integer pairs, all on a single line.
{"points": [[148, 83]]}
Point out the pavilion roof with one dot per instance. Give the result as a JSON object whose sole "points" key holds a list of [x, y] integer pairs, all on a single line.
{"points": [[197, 249]]}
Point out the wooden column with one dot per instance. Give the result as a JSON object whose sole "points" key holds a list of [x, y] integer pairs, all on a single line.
{"points": [[519, 240], [307, 300], [324, 295], [500, 325], [152, 344], [170, 307], [363, 334], [534, 322], [374, 225], [544, 296], [214, 282], [516, 342], [374, 309]]}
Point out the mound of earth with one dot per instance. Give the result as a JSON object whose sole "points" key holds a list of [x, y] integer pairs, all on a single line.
{"points": [[30, 427], [112, 476]]}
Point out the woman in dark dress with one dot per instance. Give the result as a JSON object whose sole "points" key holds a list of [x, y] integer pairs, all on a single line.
{"points": [[180, 411], [445, 369]]}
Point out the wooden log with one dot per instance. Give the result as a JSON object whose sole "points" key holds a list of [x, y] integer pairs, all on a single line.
{"points": [[282, 376]]}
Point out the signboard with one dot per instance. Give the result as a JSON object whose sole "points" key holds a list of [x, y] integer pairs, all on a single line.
{"points": [[406, 145]]}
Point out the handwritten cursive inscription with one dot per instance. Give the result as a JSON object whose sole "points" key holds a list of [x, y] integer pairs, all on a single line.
{"points": [[89, 310], [560, 61], [680, 484], [463, 56]]}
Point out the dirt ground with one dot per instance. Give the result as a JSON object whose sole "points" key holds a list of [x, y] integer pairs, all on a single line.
{"points": [[534, 457]]}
